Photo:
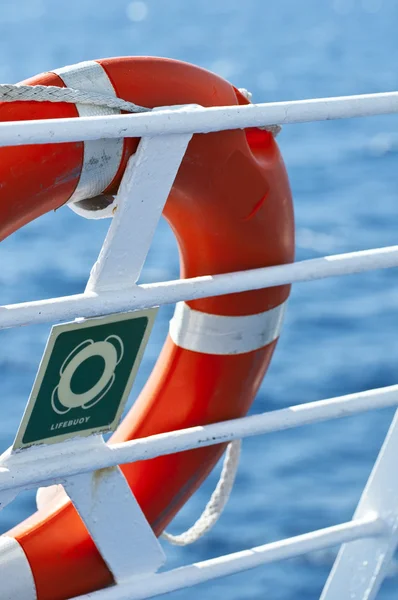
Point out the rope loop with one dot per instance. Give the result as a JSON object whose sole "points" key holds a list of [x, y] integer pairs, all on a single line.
{"points": [[217, 502]]}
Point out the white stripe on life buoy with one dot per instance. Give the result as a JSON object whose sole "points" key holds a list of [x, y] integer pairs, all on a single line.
{"points": [[214, 334], [101, 158], [16, 580]]}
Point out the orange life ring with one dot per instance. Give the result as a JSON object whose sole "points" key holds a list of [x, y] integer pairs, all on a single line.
{"points": [[231, 199]]}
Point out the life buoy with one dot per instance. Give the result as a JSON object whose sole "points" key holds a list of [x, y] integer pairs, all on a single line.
{"points": [[231, 209]]}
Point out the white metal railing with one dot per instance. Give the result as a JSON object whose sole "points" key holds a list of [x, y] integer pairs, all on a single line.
{"points": [[63, 460], [93, 304], [202, 120], [161, 583], [371, 537]]}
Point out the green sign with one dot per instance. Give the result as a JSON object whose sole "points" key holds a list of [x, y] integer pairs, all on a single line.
{"points": [[85, 377]]}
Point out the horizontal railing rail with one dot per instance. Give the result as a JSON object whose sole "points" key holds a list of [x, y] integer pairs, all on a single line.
{"points": [[51, 464], [201, 120], [146, 295], [176, 579]]}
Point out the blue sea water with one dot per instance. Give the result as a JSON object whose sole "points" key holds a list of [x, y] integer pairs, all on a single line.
{"points": [[340, 335]]}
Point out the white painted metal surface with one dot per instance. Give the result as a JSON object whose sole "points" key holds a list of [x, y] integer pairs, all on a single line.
{"points": [[370, 538], [138, 208], [48, 465], [103, 498], [361, 567], [162, 583], [116, 522], [91, 304], [203, 120]]}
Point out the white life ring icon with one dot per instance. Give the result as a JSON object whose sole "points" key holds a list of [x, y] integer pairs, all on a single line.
{"points": [[63, 399]]}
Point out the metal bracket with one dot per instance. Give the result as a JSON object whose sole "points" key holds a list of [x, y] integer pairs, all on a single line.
{"points": [[103, 498], [115, 521], [361, 566]]}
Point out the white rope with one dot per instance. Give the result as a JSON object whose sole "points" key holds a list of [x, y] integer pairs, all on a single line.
{"points": [[217, 502], [52, 93], [274, 129]]}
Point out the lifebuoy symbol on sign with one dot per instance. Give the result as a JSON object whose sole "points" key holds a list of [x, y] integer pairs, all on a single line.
{"points": [[63, 399]]}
